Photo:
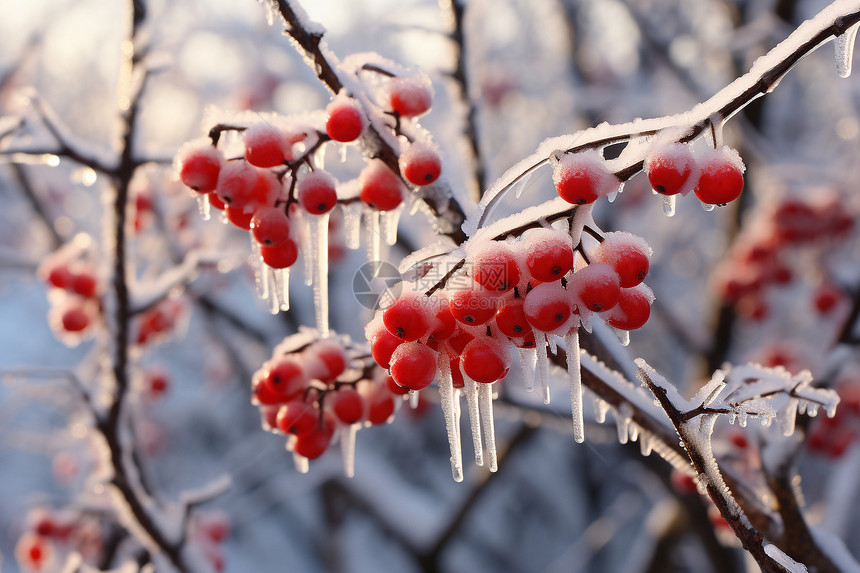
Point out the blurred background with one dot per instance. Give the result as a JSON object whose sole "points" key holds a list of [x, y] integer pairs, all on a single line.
{"points": [[534, 69]]}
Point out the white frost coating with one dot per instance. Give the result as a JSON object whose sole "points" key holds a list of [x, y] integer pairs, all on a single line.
{"points": [[485, 403], [352, 226], [784, 560], [844, 46], [447, 397], [575, 376], [471, 389], [347, 447]]}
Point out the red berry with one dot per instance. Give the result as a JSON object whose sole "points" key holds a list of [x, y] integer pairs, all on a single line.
{"points": [[157, 383], [313, 443], [547, 307], [345, 120], [456, 374], [333, 357], [348, 405], [33, 552], [459, 340], [285, 378], [239, 217], [511, 319], [84, 283], [826, 298], [420, 164], [382, 346], [316, 192], [495, 268], [446, 324], [580, 178], [380, 403], [633, 308], [473, 307], [395, 388], [199, 164], [409, 97], [409, 317], [215, 201], [75, 318], [280, 256], [485, 360], [265, 145], [236, 183], [56, 273], [721, 178], [297, 417], [528, 341], [379, 187], [596, 287], [669, 168], [413, 365], [627, 254], [549, 255], [270, 226]]}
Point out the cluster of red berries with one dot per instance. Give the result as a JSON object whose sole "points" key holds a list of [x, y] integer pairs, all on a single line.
{"points": [[514, 291], [715, 175], [832, 437], [311, 387], [159, 321], [762, 260], [277, 172], [75, 293], [208, 530], [50, 536]]}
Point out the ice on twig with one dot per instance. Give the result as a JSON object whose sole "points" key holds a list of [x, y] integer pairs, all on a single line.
{"points": [[485, 403], [448, 398], [844, 46], [784, 560]]}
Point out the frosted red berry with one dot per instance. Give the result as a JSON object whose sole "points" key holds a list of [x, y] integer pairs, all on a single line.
{"points": [[409, 317], [347, 405], [379, 187], [632, 310], [380, 403], [473, 307], [296, 417], [285, 377], [721, 178], [420, 164], [239, 217], [628, 255], [581, 178], [394, 387], [495, 268], [316, 192], [485, 360], [382, 346], [75, 318], [332, 356], [413, 365], [236, 183], [445, 325], [270, 226], [549, 255], [669, 168], [409, 97], [511, 319], [547, 307], [199, 164], [344, 120], [84, 283], [596, 287], [313, 443], [265, 145], [280, 256]]}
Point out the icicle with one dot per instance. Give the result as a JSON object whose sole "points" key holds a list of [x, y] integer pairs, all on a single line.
{"points": [[371, 234], [471, 388], [388, 221], [413, 399], [732, 417], [203, 206], [318, 227], [612, 196], [812, 410], [632, 431], [622, 421], [485, 403], [448, 397], [280, 297], [844, 45], [341, 153], [542, 366], [457, 393], [528, 361], [304, 222], [645, 443], [742, 419], [259, 268], [347, 448], [623, 336], [552, 343], [351, 226], [600, 409], [669, 205], [801, 406], [575, 377], [301, 463], [521, 185], [708, 207], [273, 290], [789, 415]]}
